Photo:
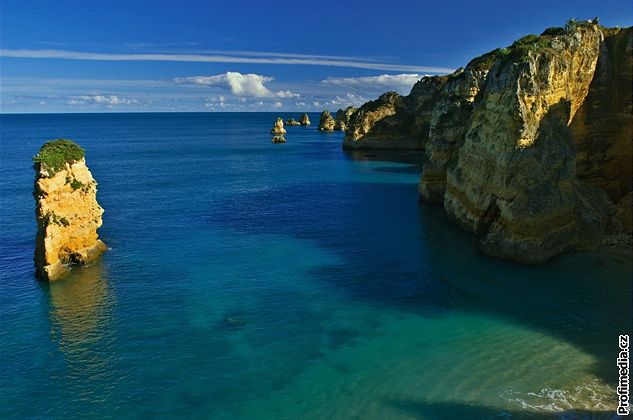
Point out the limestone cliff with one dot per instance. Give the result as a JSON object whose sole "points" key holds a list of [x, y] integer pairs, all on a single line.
{"points": [[67, 211], [393, 121], [514, 180], [529, 146], [342, 118], [326, 122], [447, 126]]}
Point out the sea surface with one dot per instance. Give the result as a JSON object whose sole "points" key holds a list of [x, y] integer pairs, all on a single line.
{"points": [[248, 280]]}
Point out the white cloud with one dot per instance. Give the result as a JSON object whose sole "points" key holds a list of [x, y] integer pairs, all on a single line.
{"points": [[286, 94], [347, 100], [224, 58], [239, 84], [278, 104], [384, 81], [110, 100]]}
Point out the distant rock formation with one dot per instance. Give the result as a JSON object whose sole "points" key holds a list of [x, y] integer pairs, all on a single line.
{"points": [[278, 128], [304, 120], [393, 121], [67, 211], [292, 121], [529, 146], [342, 118], [278, 131], [326, 122]]}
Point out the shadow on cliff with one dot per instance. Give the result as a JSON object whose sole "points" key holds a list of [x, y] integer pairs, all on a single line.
{"points": [[406, 255]]}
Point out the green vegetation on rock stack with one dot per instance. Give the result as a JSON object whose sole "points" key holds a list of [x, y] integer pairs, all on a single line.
{"points": [[56, 153]]}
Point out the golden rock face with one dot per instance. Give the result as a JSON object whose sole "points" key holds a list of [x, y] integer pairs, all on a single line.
{"points": [[515, 180], [528, 146], [68, 217]]}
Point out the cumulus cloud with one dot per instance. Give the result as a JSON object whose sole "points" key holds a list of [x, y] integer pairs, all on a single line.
{"points": [[239, 84], [384, 81], [110, 100]]}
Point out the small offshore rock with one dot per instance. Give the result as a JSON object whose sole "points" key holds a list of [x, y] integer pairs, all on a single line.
{"points": [[292, 121], [278, 128], [304, 120]]}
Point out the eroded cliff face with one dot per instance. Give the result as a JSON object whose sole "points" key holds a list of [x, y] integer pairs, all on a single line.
{"points": [[447, 123], [393, 121], [514, 180], [68, 217], [529, 146], [342, 118]]}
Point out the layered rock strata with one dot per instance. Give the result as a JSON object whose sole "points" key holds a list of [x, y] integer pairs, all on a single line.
{"points": [[67, 212], [529, 146]]}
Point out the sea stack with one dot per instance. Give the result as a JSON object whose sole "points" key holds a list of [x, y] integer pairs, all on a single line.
{"points": [[67, 212], [304, 120], [292, 121], [326, 122], [278, 131]]}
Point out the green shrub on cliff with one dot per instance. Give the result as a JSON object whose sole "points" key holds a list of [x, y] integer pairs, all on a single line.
{"points": [[56, 153], [522, 47], [75, 184]]}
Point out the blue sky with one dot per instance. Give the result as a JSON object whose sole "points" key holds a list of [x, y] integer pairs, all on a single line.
{"points": [[121, 56]]}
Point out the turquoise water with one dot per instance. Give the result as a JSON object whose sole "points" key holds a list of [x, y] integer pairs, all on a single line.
{"points": [[252, 280]]}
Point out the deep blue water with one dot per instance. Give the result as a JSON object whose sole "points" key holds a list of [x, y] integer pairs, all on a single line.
{"points": [[252, 280]]}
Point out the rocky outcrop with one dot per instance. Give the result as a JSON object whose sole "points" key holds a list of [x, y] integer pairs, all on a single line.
{"points": [[67, 211], [342, 118], [529, 146], [278, 128], [393, 121], [514, 180], [447, 123], [278, 131], [326, 122], [304, 120], [292, 121]]}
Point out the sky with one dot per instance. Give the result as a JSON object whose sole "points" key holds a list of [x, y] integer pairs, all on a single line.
{"points": [[180, 56]]}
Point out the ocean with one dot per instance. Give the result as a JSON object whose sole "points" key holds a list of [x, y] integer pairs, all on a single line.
{"points": [[250, 280]]}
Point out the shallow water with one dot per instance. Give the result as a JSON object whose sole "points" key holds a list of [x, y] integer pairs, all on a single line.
{"points": [[252, 280]]}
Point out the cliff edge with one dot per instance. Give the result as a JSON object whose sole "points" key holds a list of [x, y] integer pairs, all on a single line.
{"points": [[67, 211], [528, 146]]}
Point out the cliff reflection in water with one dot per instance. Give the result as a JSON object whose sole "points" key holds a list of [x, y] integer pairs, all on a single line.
{"points": [[81, 320]]}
